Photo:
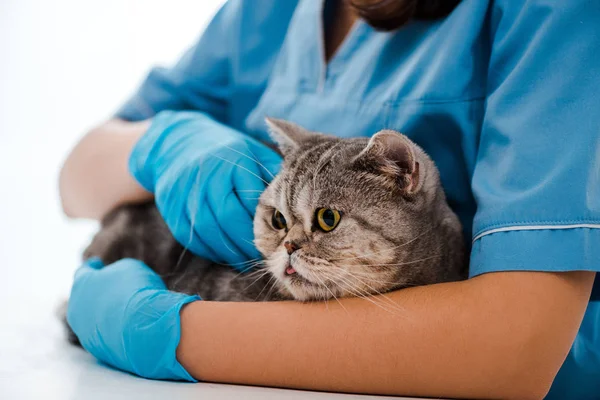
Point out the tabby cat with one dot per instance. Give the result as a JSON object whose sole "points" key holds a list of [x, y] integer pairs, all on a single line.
{"points": [[344, 217]]}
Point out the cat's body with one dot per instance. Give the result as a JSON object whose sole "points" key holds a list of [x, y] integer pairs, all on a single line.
{"points": [[138, 231], [344, 217]]}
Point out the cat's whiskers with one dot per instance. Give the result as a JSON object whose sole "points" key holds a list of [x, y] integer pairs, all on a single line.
{"points": [[249, 274], [396, 264], [255, 159], [263, 288], [337, 276], [225, 243], [248, 241], [180, 258], [272, 280], [374, 290], [271, 284], [329, 290], [258, 265], [256, 280], [192, 221], [359, 293], [369, 276], [375, 300], [252, 260], [382, 251], [242, 167]]}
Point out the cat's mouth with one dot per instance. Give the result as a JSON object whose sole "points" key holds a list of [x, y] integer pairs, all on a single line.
{"points": [[294, 276], [289, 270]]}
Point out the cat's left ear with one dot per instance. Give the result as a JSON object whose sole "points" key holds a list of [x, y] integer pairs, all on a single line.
{"points": [[392, 155], [287, 135]]}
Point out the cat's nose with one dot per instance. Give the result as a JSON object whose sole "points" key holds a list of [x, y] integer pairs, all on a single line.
{"points": [[290, 246]]}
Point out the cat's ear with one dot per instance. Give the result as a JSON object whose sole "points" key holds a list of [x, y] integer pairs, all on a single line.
{"points": [[393, 155], [287, 135]]}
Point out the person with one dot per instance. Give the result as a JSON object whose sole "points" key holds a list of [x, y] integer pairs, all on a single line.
{"points": [[502, 95]]}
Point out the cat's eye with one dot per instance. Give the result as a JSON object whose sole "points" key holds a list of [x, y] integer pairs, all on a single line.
{"points": [[328, 219], [278, 220]]}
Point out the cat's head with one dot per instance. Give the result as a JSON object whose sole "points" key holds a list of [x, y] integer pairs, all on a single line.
{"points": [[351, 217]]}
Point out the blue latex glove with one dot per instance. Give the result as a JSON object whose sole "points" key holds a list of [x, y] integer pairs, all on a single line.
{"points": [[124, 316], [206, 178]]}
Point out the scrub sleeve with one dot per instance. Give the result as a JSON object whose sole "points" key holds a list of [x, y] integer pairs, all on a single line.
{"points": [[537, 176]]}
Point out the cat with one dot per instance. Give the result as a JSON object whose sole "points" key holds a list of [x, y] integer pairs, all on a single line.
{"points": [[344, 217]]}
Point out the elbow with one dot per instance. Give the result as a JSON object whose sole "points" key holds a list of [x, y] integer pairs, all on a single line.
{"points": [[74, 181], [70, 184], [517, 390], [65, 200], [531, 372], [524, 348]]}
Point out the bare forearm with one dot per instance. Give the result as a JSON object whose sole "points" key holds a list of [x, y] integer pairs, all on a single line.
{"points": [[95, 178], [468, 339]]}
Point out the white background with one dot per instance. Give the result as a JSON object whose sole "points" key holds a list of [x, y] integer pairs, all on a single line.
{"points": [[65, 65]]}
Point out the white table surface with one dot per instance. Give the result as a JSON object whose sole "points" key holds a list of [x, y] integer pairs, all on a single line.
{"points": [[50, 369], [36, 362]]}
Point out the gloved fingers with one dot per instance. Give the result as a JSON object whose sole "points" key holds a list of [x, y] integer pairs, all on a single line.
{"points": [[188, 230], [88, 267], [178, 203], [219, 233], [204, 199], [248, 185], [234, 221], [137, 275], [202, 227], [196, 233], [131, 274], [234, 203], [270, 162], [267, 160], [94, 262]]}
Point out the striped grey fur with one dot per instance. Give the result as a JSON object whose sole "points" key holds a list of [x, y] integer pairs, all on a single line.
{"points": [[396, 228]]}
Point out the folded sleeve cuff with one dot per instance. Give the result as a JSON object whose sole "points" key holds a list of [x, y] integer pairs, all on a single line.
{"points": [[135, 109], [153, 335], [549, 248]]}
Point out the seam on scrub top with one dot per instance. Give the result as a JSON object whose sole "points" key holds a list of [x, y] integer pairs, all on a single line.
{"points": [[536, 222], [534, 228], [390, 103], [401, 102]]}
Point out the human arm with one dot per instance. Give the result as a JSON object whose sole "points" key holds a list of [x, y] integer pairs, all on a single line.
{"points": [[501, 335], [94, 178]]}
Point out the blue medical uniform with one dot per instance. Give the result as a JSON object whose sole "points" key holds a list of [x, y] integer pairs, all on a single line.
{"points": [[503, 95]]}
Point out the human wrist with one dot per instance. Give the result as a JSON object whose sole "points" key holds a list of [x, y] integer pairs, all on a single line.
{"points": [[152, 334], [192, 338], [141, 158], [172, 138]]}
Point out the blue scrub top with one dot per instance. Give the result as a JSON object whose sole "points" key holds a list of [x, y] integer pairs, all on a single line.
{"points": [[503, 95]]}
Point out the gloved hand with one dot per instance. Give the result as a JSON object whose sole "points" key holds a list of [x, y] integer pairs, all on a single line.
{"points": [[206, 178], [124, 316]]}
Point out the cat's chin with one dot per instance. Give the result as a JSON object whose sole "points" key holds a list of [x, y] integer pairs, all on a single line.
{"points": [[303, 293], [300, 289]]}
